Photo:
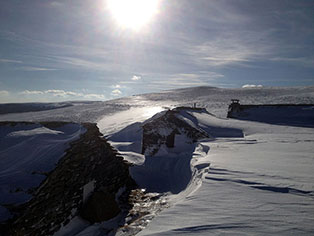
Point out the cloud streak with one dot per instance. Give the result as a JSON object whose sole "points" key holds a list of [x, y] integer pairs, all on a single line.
{"points": [[63, 94], [33, 92], [252, 86], [31, 68], [3, 60]]}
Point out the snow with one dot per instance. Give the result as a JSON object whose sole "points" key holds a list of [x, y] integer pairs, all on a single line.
{"points": [[111, 124], [32, 132], [251, 175], [27, 151], [260, 184], [251, 178]]}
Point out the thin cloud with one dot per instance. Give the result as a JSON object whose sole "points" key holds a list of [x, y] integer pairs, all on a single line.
{"points": [[201, 74], [225, 50], [31, 68], [252, 86], [4, 93], [136, 78], [56, 4], [64, 94], [116, 92], [94, 96], [32, 92], [304, 61], [3, 60]]}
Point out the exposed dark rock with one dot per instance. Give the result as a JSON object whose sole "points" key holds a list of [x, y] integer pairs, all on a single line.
{"points": [[59, 197], [280, 114], [171, 138], [100, 206], [163, 130]]}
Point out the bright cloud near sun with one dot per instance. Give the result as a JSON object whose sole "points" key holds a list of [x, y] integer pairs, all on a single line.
{"points": [[133, 14]]}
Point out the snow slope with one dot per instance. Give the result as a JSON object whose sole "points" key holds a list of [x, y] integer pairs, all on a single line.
{"points": [[27, 152], [260, 179], [260, 184]]}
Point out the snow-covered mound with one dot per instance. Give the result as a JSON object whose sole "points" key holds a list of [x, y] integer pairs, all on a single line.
{"points": [[28, 151]]}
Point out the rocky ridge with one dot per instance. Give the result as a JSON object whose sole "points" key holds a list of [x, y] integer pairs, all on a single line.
{"points": [[163, 130], [85, 182]]}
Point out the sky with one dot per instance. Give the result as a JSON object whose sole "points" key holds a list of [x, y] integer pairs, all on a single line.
{"points": [[77, 49]]}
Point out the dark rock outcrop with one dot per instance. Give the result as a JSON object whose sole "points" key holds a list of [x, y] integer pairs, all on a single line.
{"points": [[163, 130], [59, 198], [100, 206], [301, 115]]}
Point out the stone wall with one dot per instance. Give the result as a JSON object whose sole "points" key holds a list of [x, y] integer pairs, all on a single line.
{"points": [[163, 131], [60, 197]]}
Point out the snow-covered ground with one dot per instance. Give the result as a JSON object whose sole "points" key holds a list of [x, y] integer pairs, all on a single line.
{"points": [[250, 178], [260, 184], [27, 152]]}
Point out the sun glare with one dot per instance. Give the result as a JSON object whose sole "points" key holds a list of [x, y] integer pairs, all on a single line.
{"points": [[133, 14]]}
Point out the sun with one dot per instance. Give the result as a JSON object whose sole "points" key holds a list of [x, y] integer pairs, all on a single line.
{"points": [[133, 14]]}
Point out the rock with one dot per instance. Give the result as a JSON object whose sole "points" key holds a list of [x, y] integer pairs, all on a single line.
{"points": [[101, 206], [59, 198], [163, 130]]}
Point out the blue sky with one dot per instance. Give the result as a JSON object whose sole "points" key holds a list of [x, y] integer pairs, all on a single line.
{"points": [[74, 50]]}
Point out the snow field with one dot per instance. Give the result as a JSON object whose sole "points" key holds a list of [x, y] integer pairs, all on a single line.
{"points": [[260, 177]]}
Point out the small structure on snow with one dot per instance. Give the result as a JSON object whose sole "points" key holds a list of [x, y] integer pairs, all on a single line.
{"points": [[234, 107]]}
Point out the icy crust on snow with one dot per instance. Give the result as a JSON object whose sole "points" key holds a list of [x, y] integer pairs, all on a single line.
{"points": [[27, 152]]}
